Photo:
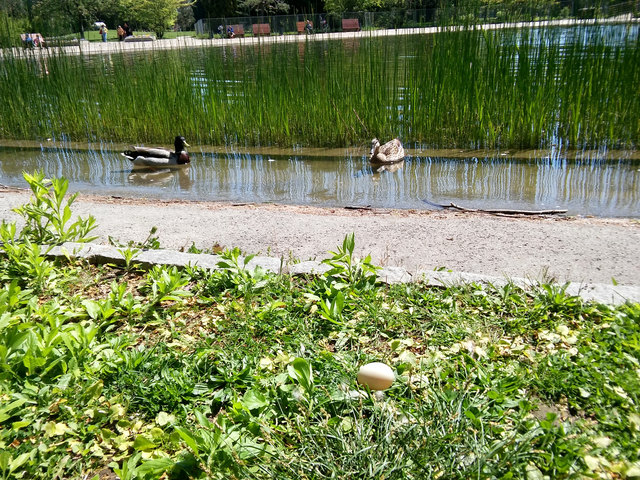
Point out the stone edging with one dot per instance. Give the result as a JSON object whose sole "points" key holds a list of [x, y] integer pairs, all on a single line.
{"points": [[101, 254]]}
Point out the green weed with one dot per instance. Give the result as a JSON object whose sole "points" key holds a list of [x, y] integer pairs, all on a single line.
{"points": [[235, 373], [48, 215]]}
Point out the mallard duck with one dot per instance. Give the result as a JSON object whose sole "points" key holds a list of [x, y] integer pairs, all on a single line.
{"points": [[159, 157], [390, 152]]}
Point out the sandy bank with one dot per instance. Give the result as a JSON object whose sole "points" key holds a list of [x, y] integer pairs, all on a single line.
{"points": [[587, 250]]}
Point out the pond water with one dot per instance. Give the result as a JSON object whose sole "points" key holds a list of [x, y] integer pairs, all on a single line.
{"points": [[586, 183]]}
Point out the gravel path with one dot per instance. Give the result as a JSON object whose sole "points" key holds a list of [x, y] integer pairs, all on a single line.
{"points": [[584, 250]]}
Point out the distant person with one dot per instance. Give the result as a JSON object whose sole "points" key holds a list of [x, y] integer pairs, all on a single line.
{"points": [[120, 31], [220, 30], [28, 40], [127, 30], [324, 25], [230, 33], [308, 26], [103, 32]]}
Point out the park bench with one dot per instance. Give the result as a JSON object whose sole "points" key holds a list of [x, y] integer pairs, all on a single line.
{"points": [[350, 25], [300, 26], [38, 40], [238, 30], [261, 29]]}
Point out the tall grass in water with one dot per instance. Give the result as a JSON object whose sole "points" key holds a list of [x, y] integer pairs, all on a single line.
{"points": [[471, 88]]}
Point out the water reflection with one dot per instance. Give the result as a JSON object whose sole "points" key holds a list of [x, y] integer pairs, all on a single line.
{"points": [[608, 189], [592, 183], [391, 167], [162, 177], [611, 35]]}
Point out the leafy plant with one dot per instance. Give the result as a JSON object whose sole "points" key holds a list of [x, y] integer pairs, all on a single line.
{"points": [[347, 272], [152, 242], [222, 449], [48, 217], [166, 284], [123, 300], [101, 311], [26, 260], [235, 276], [300, 370], [129, 254], [227, 379], [332, 309]]}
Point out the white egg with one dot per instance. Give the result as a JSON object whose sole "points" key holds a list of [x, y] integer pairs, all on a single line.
{"points": [[376, 375]]}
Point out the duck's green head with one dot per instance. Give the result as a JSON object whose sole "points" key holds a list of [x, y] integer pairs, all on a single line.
{"points": [[179, 143]]}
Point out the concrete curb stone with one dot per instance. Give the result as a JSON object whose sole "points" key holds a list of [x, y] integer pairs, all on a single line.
{"points": [[103, 254]]}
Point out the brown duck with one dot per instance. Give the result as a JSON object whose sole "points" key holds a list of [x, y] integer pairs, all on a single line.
{"points": [[390, 152]]}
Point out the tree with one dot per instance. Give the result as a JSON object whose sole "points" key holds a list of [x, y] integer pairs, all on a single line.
{"points": [[339, 6], [215, 8], [185, 18], [75, 15], [157, 16], [262, 7], [14, 8], [306, 6]]}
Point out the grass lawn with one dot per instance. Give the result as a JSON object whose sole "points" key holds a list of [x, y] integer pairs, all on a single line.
{"points": [[112, 34], [237, 373]]}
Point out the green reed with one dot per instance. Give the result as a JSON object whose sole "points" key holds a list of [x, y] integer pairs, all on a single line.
{"points": [[470, 88]]}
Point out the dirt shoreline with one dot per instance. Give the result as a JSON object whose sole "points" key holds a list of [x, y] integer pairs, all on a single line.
{"points": [[584, 250]]}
